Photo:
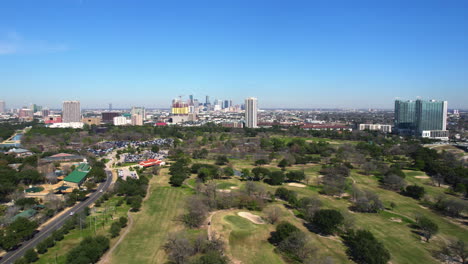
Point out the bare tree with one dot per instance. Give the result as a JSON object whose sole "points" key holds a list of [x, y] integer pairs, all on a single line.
{"points": [[273, 214]]}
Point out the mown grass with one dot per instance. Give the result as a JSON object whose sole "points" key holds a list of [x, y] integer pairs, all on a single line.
{"points": [[247, 242], [157, 218]]}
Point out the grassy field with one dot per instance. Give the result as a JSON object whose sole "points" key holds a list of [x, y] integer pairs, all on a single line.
{"points": [[156, 219], [57, 254], [247, 241]]}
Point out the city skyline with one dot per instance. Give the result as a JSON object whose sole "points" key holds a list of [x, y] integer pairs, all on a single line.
{"points": [[320, 55]]}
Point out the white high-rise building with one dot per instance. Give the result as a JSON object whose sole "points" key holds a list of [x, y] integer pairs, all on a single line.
{"points": [[71, 111], [2, 107], [251, 112], [137, 120]]}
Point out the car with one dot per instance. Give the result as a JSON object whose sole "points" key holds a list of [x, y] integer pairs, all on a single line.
{"points": [[100, 191], [72, 213]]}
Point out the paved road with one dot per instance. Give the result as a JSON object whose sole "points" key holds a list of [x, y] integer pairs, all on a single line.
{"points": [[12, 256]]}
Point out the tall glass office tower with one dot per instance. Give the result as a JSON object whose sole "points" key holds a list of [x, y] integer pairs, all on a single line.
{"points": [[431, 115], [418, 116], [405, 115]]}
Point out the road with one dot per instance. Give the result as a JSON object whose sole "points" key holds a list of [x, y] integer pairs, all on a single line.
{"points": [[47, 230]]}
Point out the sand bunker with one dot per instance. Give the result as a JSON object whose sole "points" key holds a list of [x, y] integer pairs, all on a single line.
{"points": [[253, 218], [294, 184], [421, 177], [224, 191], [234, 187], [395, 219]]}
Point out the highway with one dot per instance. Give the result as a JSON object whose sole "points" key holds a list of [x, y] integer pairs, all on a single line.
{"points": [[47, 230]]}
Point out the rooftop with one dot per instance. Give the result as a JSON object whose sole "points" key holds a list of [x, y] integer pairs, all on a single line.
{"points": [[78, 174]]}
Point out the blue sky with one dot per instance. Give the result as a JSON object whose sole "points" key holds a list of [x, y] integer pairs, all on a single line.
{"points": [[287, 53]]}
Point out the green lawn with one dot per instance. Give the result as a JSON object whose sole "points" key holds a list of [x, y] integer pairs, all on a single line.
{"points": [[247, 241], [157, 218]]}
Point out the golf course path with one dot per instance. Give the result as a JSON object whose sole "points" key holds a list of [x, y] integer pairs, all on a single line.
{"points": [[106, 258]]}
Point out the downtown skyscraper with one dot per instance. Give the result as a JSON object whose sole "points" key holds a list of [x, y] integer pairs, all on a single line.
{"points": [[71, 111], [251, 108]]}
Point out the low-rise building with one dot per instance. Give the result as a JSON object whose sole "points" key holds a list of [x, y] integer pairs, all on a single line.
{"points": [[78, 176], [91, 121], [151, 162], [376, 127]]}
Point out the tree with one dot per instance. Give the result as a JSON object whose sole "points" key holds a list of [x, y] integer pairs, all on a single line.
{"points": [[283, 230], [228, 171], [459, 250], [272, 214], [123, 221], [177, 179], [364, 248], [333, 184], [295, 176], [366, 201], [31, 256], [115, 229], [245, 174], [427, 227], [261, 162], [297, 246], [221, 160], [155, 148], [178, 248], [284, 163], [414, 191], [328, 221], [88, 251], [393, 182], [287, 195], [41, 248], [276, 178], [197, 211], [308, 206], [212, 257], [260, 173]]}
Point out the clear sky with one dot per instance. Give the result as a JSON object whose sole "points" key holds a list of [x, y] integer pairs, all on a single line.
{"points": [[288, 53]]}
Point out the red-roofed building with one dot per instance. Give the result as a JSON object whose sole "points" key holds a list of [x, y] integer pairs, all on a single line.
{"points": [[151, 162], [160, 124]]}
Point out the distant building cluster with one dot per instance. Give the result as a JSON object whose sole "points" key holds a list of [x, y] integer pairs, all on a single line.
{"points": [[422, 118]]}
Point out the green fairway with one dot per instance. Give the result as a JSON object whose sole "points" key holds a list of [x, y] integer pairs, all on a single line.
{"points": [[247, 241], [157, 218]]}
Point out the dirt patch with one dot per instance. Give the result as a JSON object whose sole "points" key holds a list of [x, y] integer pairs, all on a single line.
{"points": [[294, 184], [421, 177], [395, 219], [251, 217]]}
